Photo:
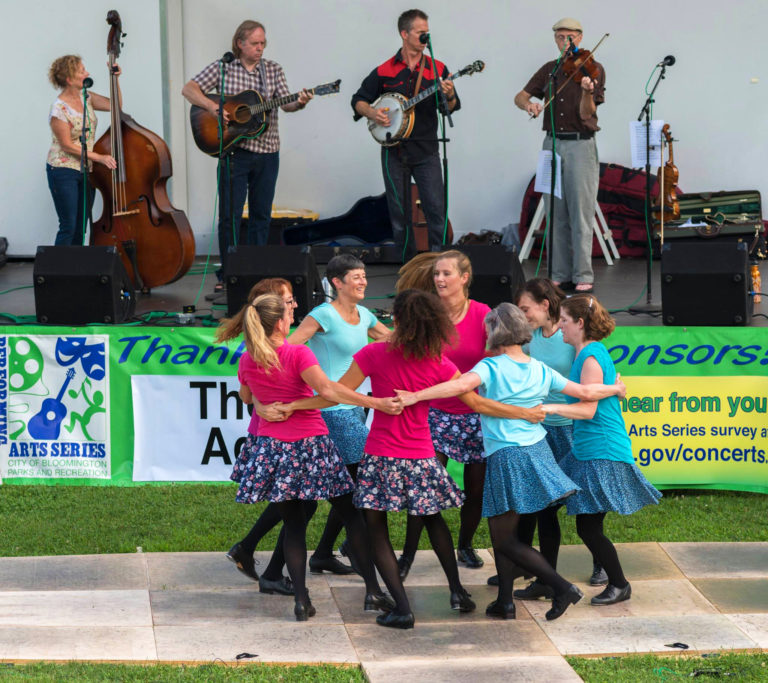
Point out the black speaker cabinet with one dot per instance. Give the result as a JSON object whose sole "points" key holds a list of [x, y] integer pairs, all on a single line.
{"points": [[496, 273], [81, 285], [705, 283], [246, 265]]}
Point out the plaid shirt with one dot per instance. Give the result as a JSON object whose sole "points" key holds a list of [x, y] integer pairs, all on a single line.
{"points": [[237, 79]]}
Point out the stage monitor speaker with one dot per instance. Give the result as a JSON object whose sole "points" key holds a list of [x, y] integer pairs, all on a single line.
{"points": [[81, 285], [496, 273], [246, 265], [705, 283]]}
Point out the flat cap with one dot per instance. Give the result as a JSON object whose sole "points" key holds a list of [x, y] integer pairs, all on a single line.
{"points": [[568, 24]]}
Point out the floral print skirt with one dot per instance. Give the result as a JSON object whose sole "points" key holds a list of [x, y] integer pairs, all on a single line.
{"points": [[421, 486], [274, 470], [457, 435]]}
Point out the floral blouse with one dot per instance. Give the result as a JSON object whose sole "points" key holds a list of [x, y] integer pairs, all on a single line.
{"points": [[57, 157]]}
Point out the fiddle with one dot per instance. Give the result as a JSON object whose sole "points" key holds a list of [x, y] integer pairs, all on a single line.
{"points": [[668, 177]]}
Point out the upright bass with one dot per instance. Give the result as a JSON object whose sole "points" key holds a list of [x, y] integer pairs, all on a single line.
{"points": [[154, 239]]}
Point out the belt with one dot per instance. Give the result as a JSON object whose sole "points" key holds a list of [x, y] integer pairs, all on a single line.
{"points": [[573, 136]]}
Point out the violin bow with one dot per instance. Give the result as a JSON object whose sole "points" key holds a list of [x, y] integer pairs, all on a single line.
{"points": [[589, 56]]}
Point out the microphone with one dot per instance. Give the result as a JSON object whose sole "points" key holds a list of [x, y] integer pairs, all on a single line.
{"points": [[424, 38], [87, 83], [669, 60], [228, 57], [574, 49]]}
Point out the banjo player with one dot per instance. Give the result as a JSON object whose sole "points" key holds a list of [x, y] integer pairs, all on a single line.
{"points": [[408, 72]]}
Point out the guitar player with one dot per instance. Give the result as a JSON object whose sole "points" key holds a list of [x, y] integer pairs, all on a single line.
{"points": [[408, 72], [254, 162]]}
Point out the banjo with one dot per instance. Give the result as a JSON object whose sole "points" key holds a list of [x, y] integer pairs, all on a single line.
{"points": [[401, 109]]}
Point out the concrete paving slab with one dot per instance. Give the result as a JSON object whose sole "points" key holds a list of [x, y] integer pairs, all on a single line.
{"points": [[645, 634], [181, 571], [720, 560], [639, 561], [429, 604], [735, 595], [754, 625], [73, 572], [487, 670], [437, 641], [649, 598], [75, 608], [178, 608], [291, 642], [106, 643]]}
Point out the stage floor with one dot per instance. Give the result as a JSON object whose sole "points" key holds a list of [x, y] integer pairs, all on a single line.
{"points": [[618, 287]]}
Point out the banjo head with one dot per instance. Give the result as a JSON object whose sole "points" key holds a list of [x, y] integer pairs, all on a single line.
{"points": [[397, 119]]}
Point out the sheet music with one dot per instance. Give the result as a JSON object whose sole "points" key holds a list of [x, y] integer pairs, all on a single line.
{"points": [[544, 174], [637, 143]]}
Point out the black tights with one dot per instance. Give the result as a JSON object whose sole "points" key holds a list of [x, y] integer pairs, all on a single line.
{"points": [[295, 544], [270, 518], [511, 554], [590, 530], [386, 563], [333, 526], [470, 515]]}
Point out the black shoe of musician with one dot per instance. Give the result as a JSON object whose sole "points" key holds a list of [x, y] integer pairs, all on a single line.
{"points": [[501, 610], [243, 561], [330, 565], [469, 557]]}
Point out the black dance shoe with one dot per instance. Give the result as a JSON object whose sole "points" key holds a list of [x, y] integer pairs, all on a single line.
{"points": [[404, 565], [533, 591], [392, 620], [611, 595], [282, 586], [501, 610], [318, 565], [344, 551], [599, 577], [460, 601], [469, 558], [243, 561], [304, 610], [493, 580], [378, 602], [563, 601]]}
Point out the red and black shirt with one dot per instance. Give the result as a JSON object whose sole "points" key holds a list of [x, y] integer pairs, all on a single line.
{"points": [[395, 76]]}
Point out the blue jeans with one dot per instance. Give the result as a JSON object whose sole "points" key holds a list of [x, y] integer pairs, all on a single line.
{"points": [[398, 170], [255, 176], [66, 186]]}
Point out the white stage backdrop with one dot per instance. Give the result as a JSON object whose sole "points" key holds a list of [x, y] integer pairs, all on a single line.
{"points": [[716, 105]]}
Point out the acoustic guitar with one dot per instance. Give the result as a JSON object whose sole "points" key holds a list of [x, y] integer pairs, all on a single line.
{"points": [[46, 424], [247, 113]]}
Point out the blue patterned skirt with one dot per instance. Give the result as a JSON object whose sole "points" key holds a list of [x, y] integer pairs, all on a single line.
{"points": [[523, 479], [608, 486], [457, 435], [422, 486], [307, 469], [560, 440], [348, 432]]}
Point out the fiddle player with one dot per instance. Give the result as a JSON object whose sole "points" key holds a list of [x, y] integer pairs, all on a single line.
{"points": [[254, 162], [574, 127], [65, 180], [408, 72]]}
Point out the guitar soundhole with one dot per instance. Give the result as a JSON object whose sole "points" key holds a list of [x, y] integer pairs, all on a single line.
{"points": [[242, 114]]}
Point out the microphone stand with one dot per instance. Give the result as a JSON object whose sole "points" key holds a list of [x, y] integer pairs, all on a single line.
{"points": [[649, 306], [444, 112], [552, 82], [86, 129], [229, 222]]}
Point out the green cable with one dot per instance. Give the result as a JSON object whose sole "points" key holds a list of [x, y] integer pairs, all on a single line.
{"points": [[15, 289]]}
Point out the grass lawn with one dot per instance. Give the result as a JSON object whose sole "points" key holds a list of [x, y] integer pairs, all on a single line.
{"points": [[125, 673], [74, 520], [651, 668]]}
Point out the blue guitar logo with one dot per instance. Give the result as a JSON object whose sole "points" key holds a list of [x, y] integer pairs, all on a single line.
{"points": [[46, 425]]}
